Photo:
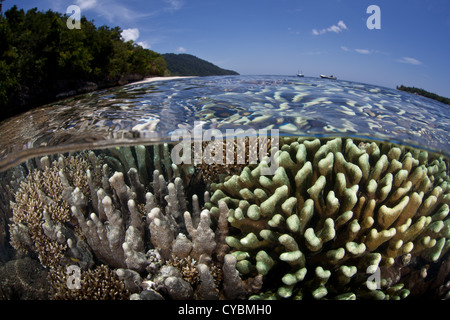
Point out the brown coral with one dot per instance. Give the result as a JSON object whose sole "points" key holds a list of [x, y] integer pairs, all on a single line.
{"points": [[188, 268], [100, 283], [23, 279], [40, 201], [116, 220], [221, 158]]}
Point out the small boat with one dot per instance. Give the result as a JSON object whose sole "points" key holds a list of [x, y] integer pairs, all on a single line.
{"points": [[328, 77], [300, 74]]}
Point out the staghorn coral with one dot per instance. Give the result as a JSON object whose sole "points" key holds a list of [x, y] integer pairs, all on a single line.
{"points": [[335, 213]]}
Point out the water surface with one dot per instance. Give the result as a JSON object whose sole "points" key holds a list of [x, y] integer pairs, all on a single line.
{"points": [[150, 112]]}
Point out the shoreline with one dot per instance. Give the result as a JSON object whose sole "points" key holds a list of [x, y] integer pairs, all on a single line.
{"points": [[152, 79], [83, 88]]}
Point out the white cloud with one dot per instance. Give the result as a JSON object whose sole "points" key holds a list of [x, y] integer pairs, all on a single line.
{"points": [[144, 44], [174, 4], [86, 4], [336, 28], [130, 34], [121, 13], [363, 51], [181, 49], [316, 32], [342, 25], [409, 60], [360, 51], [115, 11]]}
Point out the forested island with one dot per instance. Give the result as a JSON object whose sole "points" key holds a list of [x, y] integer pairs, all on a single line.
{"points": [[41, 59], [188, 65], [424, 93]]}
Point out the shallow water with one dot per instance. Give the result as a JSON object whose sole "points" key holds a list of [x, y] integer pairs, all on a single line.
{"points": [[97, 180], [150, 112]]}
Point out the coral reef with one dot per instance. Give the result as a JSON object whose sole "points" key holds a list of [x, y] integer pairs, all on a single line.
{"points": [[23, 279], [9, 184], [337, 220], [99, 283], [229, 156], [334, 216], [86, 214], [42, 206]]}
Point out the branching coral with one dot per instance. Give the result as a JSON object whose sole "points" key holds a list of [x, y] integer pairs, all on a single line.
{"points": [[92, 215], [41, 208], [334, 213], [100, 283], [331, 217], [221, 158]]}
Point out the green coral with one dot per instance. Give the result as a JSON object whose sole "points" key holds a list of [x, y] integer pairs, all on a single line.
{"points": [[335, 213]]}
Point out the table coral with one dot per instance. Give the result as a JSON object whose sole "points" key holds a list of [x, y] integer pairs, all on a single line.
{"points": [[334, 214]]}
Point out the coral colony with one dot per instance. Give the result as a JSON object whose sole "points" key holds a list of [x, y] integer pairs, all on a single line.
{"points": [[338, 219]]}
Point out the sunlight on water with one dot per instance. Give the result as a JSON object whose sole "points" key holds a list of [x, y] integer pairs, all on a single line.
{"points": [[149, 112]]}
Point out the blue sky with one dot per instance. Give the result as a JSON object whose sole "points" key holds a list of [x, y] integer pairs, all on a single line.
{"points": [[284, 36]]}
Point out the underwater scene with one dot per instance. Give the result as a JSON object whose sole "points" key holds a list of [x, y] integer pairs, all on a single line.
{"points": [[230, 187]]}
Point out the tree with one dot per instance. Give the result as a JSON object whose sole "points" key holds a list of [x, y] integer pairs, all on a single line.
{"points": [[40, 57], [424, 93]]}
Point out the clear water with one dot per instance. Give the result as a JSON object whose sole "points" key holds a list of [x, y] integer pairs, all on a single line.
{"points": [[151, 111], [114, 126]]}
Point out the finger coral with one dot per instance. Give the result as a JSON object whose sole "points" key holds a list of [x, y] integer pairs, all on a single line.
{"points": [[335, 215]]}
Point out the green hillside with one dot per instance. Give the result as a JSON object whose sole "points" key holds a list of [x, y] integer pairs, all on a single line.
{"points": [[189, 65], [41, 59]]}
